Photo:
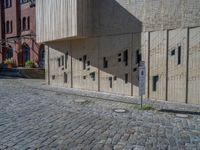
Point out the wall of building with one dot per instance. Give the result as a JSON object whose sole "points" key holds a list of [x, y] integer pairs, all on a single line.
{"points": [[27, 11], [69, 22], [162, 31], [193, 66], [11, 14], [95, 76], [158, 64]]}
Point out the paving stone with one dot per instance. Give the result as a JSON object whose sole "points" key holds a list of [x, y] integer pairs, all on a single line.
{"points": [[33, 117]]}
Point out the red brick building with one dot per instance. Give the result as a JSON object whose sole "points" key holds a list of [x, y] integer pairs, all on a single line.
{"points": [[18, 27]]}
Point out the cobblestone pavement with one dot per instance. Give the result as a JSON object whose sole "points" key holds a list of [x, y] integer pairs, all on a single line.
{"points": [[33, 118]]}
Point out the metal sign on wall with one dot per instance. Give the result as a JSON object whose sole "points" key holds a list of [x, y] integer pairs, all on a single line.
{"points": [[142, 77]]}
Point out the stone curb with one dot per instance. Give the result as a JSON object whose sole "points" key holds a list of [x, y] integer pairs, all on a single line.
{"points": [[159, 105]]}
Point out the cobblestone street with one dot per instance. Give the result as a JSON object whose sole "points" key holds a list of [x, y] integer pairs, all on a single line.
{"points": [[34, 118]]}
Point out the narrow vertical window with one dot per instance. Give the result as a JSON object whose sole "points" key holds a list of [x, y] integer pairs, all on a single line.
{"points": [[7, 26], [11, 27], [110, 79], [28, 23], [24, 23], [126, 57], [84, 62], [126, 78], [179, 55], [65, 77], [62, 60], [105, 63], [155, 81], [66, 60], [138, 57], [59, 64]]}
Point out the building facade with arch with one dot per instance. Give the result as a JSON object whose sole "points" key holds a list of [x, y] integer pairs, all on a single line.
{"points": [[18, 32]]}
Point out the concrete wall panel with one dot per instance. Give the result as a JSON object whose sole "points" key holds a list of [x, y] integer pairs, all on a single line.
{"points": [[158, 64], [177, 72], [194, 67]]}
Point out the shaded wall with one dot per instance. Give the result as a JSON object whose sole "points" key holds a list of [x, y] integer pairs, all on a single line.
{"points": [[161, 31]]}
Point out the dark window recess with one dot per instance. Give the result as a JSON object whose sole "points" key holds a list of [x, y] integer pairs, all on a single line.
{"points": [[88, 69], [179, 55], [24, 23], [119, 59], [92, 75], [110, 79], [28, 23], [53, 77], [115, 78], [138, 57], [105, 63], [125, 57], [65, 77], [19, 25], [11, 27], [58, 62], [84, 77], [135, 69], [62, 59], [7, 26], [155, 81], [119, 54], [126, 78], [7, 3], [84, 62], [88, 63], [173, 52], [80, 59], [66, 60]]}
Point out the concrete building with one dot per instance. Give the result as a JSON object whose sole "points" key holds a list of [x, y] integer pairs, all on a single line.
{"points": [[17, 29], [98, 44]]}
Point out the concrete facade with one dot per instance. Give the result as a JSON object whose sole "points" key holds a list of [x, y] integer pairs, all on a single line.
{"points": [[118, 35]]}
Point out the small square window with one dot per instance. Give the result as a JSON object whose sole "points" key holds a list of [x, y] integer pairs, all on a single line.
{"points": [[173, 52], [115, 78], [92, 75], [84, 77]]}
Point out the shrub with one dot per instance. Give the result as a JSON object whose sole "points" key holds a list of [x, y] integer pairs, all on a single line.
{"points": [[30, 64], [9, 61]]}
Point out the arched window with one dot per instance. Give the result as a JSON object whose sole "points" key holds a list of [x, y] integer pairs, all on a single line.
{"points": [[26, 52], [24, 23], [28, 23], [9, 53]]}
